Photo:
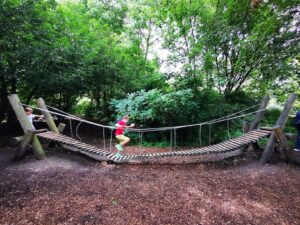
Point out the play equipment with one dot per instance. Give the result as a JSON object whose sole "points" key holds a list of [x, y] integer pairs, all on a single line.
{"points": [[251, 135]]}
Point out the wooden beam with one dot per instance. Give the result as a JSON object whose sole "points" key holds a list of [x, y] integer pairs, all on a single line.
{"points": [[49, 120], [25, 124], [20, 113], [259, 115], [267, 128], [16, 140], [269, 149]]}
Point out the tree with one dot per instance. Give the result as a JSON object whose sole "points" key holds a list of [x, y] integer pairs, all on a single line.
{"points": [[21, 28], [225, 44]]}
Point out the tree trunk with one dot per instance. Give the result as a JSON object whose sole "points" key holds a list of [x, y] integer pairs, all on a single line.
{"points": [[3, 98]]}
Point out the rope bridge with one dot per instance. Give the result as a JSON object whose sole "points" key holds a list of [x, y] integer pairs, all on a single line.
{"points": [[141, 131], [100, 154], [251, 135]]}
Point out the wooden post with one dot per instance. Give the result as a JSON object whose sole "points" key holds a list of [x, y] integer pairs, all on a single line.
{"points": [[26, 125], [49, 120], [245, 126], [20, 113], [283, 142], [61, 127], [289, 154], [259, 115], [257, 119], [26, 139], [280, 123]]}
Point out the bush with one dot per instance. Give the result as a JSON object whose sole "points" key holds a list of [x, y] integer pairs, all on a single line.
{"points": [[156, 109], [82, 106]]}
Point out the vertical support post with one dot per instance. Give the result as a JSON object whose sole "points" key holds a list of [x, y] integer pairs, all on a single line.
{"points": [[283, 142], [25, 124], [61, 127], [259, 115], [49, 120], [269, 149]]}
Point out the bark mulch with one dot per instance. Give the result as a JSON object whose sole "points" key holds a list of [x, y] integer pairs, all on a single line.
{"points": [[68, 188]]}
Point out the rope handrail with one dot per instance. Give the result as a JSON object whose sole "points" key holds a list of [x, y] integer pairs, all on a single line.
{"points": [[221, 119], [71, 117], [218, 120]]}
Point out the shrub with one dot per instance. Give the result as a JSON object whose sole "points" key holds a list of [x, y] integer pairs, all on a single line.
{"points": [[156, 109]]}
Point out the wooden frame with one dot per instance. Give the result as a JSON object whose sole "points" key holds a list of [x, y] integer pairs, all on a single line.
{"points": [[269, 149], [27, 128]]}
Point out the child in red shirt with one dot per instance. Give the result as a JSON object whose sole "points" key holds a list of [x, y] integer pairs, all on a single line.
{"points": [[121, 125]]}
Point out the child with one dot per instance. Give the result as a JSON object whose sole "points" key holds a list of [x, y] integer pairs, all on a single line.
{"points": [[121, 125], [297, 125], [31, 116]]}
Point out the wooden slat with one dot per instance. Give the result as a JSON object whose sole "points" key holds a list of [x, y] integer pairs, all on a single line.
{"points": [[221, 148], [74, 142]]}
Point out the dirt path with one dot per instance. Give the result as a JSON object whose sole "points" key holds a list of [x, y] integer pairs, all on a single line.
{"points": [[67, 188]]}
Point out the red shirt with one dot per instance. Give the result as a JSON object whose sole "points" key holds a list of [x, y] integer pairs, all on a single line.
{"points": [[120, 130]]}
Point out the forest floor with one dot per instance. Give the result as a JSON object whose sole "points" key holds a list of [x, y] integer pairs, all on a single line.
{"points": [[68, 188]]}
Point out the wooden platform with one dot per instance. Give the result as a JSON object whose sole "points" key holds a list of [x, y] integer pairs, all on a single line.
{"points": [[100, 154]]}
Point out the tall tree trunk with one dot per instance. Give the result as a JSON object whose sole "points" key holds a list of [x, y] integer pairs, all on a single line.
{"points": [[14, 84], [5, 109], [3, 97], [148, 40]]}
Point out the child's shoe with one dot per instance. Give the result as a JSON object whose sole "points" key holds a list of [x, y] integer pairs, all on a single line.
{"points": [[119, 147], [119, 155]]}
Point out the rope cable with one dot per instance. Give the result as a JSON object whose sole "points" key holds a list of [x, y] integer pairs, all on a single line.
{"points": [[200, 135], [244, 124], [71, 128], [174, 138], [77, 127], [139, 137], [111, 135], [171, 139], [228, 131], [230, 117], [209, 134], [103, 133]]}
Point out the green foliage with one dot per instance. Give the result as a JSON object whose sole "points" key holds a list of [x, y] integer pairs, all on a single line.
{"points": [[155, 108], [161, 144], [69, 49], [225, 55], [229, 44], [82, 106], [263, 142]]}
